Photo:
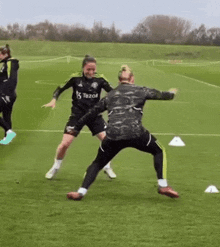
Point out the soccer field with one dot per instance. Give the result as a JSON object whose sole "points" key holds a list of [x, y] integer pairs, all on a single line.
{"points": [[126, 211]]}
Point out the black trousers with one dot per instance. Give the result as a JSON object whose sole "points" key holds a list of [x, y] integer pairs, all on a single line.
{"points": [[6, 110], [109, 148]]}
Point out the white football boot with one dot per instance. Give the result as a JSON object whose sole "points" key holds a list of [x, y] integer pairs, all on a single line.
{"points": [[109, 172], [51, 173]]}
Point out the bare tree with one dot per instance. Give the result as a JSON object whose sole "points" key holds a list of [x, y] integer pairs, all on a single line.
{"points": [[214, 35], [14, 30], [114, 34], [163, 29], [104, 34], [4, 35], [153, 29], [78, 33], [199, 36]]}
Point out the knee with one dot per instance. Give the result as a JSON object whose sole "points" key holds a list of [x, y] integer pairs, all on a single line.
{"points": [[101, 135]]}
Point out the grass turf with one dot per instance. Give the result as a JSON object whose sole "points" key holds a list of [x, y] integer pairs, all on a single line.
{"points": [[127, 211]]}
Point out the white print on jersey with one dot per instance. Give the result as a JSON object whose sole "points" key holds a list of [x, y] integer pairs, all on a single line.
{"points": [[80, 95], [94, 85]]}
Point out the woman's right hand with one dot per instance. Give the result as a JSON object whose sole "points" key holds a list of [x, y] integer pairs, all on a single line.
{"points": [[51, 104]]}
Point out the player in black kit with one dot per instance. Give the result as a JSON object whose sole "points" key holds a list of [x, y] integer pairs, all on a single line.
{"points": [[8, 83], [125, 105], [87, 87]]}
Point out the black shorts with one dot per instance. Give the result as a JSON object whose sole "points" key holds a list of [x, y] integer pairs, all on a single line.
{"points": [[95, 125], [110, 148], [143, 143]]}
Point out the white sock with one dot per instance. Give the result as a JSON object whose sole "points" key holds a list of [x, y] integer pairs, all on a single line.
{"points": [[57, 163], [107, 166], [162, 182], [9, 131], [82, 191]]}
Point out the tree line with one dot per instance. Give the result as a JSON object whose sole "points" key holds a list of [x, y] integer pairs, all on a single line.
{"points": [[159, 29]]}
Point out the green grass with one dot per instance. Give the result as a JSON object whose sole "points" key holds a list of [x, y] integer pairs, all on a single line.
{"points": [[127, 211]]}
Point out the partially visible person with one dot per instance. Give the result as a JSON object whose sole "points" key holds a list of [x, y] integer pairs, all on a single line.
{"points": [[125, 110], [8, 83], [87, 87]]}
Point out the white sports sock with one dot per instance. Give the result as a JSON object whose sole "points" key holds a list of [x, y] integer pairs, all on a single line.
{"points": [[9, 131], [107, 166], [162, 182], [57, 163], [82, 191]]}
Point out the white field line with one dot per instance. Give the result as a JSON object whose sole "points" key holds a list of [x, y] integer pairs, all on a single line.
{"points": [[52, 59], [180, 63], [76, 58], [165, 62], [203, 82], [169, 101], [46, 82], [88, 132], [104, 62], [43, 60], [68, 58]]}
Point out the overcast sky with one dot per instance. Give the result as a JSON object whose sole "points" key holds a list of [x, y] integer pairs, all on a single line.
{"points": [[126, 14]]}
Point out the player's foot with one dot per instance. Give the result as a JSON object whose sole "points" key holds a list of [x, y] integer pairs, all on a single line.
{"points": [[9, 137], [74, 196], [110, 173], [51, 173], [168, 191]]}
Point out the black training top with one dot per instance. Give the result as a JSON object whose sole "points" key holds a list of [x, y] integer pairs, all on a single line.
{"points": [[9, 76], [125, 109], [86, 92]]}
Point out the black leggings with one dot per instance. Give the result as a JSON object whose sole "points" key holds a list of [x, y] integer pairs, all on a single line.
{"points": [[6, 110], [109, 148]]}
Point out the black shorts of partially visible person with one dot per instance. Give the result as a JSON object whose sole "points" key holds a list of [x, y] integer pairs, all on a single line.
{"points": [[96, 125]]}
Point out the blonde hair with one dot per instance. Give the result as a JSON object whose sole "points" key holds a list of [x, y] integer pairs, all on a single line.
{"points": [[125, 73]]}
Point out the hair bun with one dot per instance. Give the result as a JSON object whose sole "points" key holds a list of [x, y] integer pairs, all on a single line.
{"points": [[5, 50], [88, 59]]}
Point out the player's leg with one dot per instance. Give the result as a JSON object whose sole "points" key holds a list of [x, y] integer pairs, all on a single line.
{"points": [[107, 150], [107, 168], [149, 144], [62, 148], [7, 110], [4, 125], [97, 127], [160, 164], [60, 154], [5, 121]]}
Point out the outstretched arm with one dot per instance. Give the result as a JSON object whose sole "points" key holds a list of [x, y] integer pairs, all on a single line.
{"points": [[51, 104], [160, 95], [57, 93]]}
